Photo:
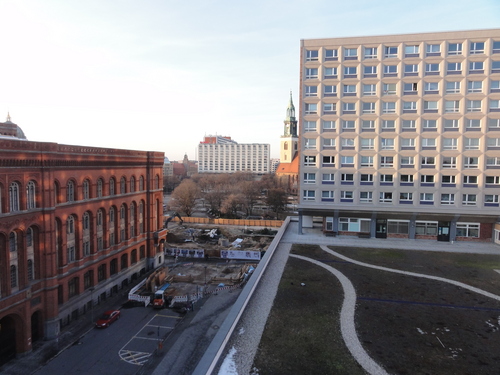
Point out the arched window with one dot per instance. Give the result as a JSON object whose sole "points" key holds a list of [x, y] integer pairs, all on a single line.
{"points": [[31, 270], [100, 230], [123, 185], [99, 188], [112, 226], [141, 217], [86, 234], [86, 189], [30, 195], [141, 183], [70, 191], [132, 184], [1, 199], [14, 197], [111, 186], [29, 237], [133, 257], [157, 182], [132, 220], [57, 192], [123, 223], [70, 239], [12, 241], [13, 276]]}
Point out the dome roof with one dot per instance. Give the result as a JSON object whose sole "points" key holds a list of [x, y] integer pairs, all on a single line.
{"points": [[9, 129]]}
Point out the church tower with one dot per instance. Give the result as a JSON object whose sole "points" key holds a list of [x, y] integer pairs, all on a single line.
{"points": [[289, 139]]}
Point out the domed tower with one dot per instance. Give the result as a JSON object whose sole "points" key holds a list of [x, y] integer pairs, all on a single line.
{"points": [[9, 129], [289, 139]]}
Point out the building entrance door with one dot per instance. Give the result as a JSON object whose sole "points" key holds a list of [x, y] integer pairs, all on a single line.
{"points": [[443, 231], [381, 228]]}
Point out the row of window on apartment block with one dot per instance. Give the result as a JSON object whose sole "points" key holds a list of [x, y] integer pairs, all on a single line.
{"points": [[406, 88], [409, 50], [405, 125], [381, 143], [18, 203], [425, 228], [396, 107], [409, 70], [405, 198], [468, 162], [426, 180]]}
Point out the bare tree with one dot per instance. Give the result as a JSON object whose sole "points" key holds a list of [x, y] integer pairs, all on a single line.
{"points": [[277, 200], [251, 193], [184, 197], [232, 205]]}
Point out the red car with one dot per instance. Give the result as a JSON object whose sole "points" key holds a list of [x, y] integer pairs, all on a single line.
{"points": [[107, 318]]}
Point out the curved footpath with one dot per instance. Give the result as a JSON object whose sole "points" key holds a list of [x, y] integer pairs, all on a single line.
{"points": [[240, 351]]}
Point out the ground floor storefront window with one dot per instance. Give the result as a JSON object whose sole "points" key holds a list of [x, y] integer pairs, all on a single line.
{"points": [[468, 230]]}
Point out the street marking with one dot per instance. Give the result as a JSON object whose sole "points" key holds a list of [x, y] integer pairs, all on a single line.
{"points": [[133, 357], [169, 316], [154, 325]]}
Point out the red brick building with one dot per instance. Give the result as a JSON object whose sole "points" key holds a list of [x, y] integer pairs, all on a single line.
{"points": [[77, 224]]}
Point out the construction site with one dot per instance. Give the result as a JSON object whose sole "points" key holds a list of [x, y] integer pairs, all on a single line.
{"points": [[202, 259]]}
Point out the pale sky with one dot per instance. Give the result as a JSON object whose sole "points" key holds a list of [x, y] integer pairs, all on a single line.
{"points": [[159, 75]]}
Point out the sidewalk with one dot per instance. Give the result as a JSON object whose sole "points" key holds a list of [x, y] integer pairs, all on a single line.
{"points": [[43, 351], [316, 237]]}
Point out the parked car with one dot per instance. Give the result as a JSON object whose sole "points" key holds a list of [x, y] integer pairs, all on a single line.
{"points": [[107, 318]]}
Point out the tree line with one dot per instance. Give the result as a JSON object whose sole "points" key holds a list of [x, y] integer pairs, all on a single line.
{"points": [[229, 195]]}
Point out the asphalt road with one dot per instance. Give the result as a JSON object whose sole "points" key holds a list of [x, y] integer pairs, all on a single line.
{"points": [[119, 349]]}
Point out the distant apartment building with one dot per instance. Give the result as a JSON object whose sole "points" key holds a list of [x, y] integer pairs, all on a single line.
{"points": [[400, 135], [77, 224], [218, 154]]}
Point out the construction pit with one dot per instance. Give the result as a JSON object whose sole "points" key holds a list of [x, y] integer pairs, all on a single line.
{"points": [[197, 263]]}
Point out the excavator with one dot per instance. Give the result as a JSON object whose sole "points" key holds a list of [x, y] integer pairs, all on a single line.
{"points": [[170, 216]]}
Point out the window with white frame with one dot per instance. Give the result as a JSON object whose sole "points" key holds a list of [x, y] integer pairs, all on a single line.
{"points": [[309, 195], [389, 89], [351, 52], [450, 124], [494, 86], [329, 108], [495, 46], [368, 107], [474, 86], [448, 180], [350, 71], [390, 51], [311, 90], [366, 143], [311, 55], [328, 178], [366, 177], [328, 125], [407, 143], [328, 161], [369, 90], [406, 178], [430, 105], [493, 142], [347, 177], [388, 124], [387, 143], [426, 197], [426, 228], [492, 180], [472, 123], [469, 199], [348, 108], [309, 178], [470, 180], [468, 230], [330, 73], [473, 105], [390, 70], [431, 88], [447, 198], [453, 87], [431, 68], [386, 178], [346, 194], [348, 124], [311, 108], [347, 143], [449, 162], [449, 143], [405, 197], [327, 195], [452, 106], [347, 160], [350, 224], [309, 161], [411, 50], [491, 198], [454, 68], [433, 49], [331, 54], [410, 88], [454, 48], [471, 143], [370, 70], [310, 143], [367, 124], [386, 161], [330, 90], [411, 68], [388, 107], [385, 197], [311, 73], [429, 124], [407, 161], [328, 143], [408, 124], [476, 67], [494, 104], [365, 197], [427, 161], [309, 126], [31, 195], [409, 106], [491, 162], [427, 178], [476, 48], [428, 143], [366, 161], [370, 53]]}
